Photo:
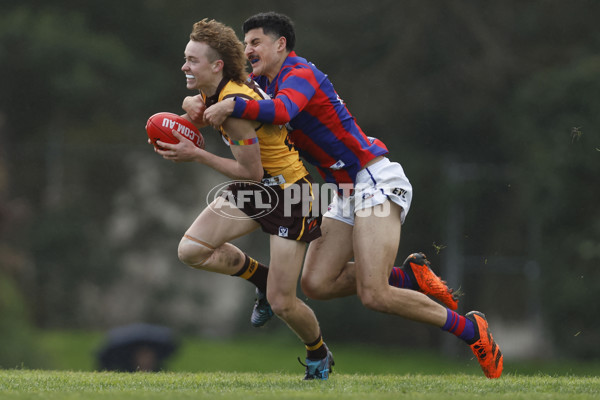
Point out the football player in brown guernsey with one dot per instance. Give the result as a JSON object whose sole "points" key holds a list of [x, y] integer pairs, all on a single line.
{"points": [[263, 167]]}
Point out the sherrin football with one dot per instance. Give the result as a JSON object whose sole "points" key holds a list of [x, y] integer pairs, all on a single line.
{"points": [[160, 125]]}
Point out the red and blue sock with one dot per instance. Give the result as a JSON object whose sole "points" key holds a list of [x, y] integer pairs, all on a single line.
{"points": [[400, 279], [459, 326]]}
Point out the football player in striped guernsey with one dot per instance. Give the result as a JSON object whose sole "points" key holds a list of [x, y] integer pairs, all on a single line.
{"points": [[364, 220]]}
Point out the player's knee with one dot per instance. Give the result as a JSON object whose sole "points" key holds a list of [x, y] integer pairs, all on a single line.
{"points": [[371, 298], [192, 253], [281, 305], [313, 288]]}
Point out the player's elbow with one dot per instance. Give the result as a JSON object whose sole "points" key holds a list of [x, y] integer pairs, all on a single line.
{"points": [[258, 175], [249, 176], [249, 169], [254, 174]]}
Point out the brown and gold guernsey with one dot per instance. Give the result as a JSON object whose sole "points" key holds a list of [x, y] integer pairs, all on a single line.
{"points": [[281, 162]]}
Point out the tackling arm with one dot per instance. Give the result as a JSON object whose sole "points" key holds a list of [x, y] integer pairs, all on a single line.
{"points": [[295, 91]]}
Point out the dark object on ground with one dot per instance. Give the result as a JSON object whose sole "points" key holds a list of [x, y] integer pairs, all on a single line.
{"points": [[136, 347]]}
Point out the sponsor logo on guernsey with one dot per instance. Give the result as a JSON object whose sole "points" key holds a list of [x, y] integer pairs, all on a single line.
{"points": [[338, 165], [273, 180]]}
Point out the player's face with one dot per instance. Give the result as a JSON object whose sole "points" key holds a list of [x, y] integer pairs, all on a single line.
{"points": [[264, 52], [199, 71]]}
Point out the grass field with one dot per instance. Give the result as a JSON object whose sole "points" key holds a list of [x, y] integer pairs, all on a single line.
{"points": [[26, 384], [267, 353], [265, 367]]}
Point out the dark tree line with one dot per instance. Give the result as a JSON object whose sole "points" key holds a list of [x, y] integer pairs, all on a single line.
{"points": [[504, 94]]}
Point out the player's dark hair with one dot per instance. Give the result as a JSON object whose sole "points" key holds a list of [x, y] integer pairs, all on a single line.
{"points": [[273, 23]]}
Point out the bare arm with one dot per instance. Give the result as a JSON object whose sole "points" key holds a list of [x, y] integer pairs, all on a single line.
{"points": [[294, 93], [216, 114], [246, 164]]}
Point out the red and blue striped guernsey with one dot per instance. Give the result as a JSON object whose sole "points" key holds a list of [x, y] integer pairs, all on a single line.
{"points": [[320, 125]]}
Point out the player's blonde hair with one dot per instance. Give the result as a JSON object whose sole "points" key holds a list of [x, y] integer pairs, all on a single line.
{"points": [[222, 39]]}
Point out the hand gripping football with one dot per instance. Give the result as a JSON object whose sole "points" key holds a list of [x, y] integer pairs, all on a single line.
{"points": [[160, 125]]}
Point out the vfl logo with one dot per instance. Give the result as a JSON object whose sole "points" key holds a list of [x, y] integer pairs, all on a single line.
{"points": [[182, 129], [283, 231]]}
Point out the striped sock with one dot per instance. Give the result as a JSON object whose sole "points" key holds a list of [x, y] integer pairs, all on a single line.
{"points": [[400, 279], [317, 349], [254, 272], [459, 326]]}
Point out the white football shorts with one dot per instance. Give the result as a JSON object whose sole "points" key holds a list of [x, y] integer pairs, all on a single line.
{"points": [[384, 180]]}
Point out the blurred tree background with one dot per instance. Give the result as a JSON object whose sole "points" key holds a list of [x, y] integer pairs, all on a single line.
{"points": [[491, 107]]}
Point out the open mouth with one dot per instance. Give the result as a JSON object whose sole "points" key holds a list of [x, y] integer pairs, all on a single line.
{"points": [[253, 60], [189, 76]]}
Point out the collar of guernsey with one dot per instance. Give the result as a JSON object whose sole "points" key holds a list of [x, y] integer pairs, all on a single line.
{"points": [[209, 101]]}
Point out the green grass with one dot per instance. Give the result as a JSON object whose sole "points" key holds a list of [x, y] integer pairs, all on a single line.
{"points": [[35, 384], [265, 367], [267, 353]]}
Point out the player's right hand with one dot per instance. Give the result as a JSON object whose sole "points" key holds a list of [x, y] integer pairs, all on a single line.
{"points": [[194, 107]]}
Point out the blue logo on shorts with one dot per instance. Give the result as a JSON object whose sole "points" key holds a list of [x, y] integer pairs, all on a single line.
{"points": [[283, 231], [367, 196]]}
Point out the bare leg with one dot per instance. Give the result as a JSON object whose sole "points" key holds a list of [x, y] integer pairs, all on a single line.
{"points": [[327, 276], [376, 240], [327, 271], [286, 262], [204, 245]]}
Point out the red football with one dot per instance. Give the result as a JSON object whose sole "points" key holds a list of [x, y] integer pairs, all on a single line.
{"points": [[160, 125]]}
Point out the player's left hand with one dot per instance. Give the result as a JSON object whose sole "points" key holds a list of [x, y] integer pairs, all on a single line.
{"points": [[184, 151]]}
